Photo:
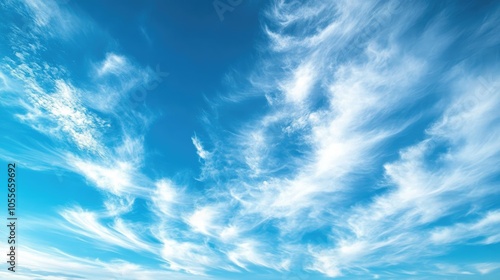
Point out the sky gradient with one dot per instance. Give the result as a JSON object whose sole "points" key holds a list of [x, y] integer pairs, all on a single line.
{"points": [[345, 139]]}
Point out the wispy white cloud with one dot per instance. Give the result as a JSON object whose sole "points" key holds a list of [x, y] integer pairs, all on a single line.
{"points": [[145, 33], [300, 84], [62, 114], [116, 206], [486, 228], [119, 233], [50, 263], [113, 64], [117, 177], [165, 196], [343, 97], [249, 252], [202, 153], [340, 134], [51, 20], [448, 269], [4, 82], [423, 195], [117, 80], [486, 268], [82, 117], [187, 256], [202, 220]]}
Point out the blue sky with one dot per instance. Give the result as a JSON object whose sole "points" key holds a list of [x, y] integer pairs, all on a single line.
{"points": [[252, 139]]}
